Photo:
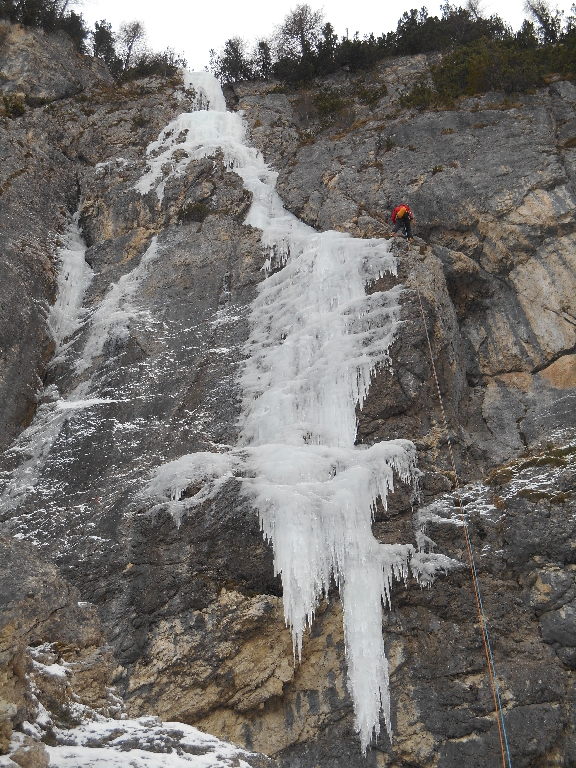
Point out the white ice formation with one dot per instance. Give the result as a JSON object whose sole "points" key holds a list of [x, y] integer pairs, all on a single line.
{"points": [[74, 276], [116, 310], [316, 338], [110, 321]]}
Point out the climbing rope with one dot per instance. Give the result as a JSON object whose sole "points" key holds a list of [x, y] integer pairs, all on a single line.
{"points": [[504, 747]]}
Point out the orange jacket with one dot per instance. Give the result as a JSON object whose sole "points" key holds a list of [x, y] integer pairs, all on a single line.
{"points": [[408, 212]]}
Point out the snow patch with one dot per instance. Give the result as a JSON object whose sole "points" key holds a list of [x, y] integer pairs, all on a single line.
{"points": [[52, 670], [143, 743], [74, 405]]}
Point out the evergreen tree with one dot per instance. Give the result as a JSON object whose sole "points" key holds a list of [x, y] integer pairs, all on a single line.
{"points": [[262, 60], [104, 47], [232, 63]]}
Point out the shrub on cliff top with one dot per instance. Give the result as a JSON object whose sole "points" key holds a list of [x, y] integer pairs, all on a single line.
{"points": [[49, 15], [304, 46], [127, 54], [164, 64], [514, 65], [479, 54]]}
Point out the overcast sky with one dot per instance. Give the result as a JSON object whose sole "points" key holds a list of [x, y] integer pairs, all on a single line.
{"points": [[192, 28]]}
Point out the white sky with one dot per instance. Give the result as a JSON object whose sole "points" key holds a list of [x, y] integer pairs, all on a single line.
{"points": [[192, 28]]}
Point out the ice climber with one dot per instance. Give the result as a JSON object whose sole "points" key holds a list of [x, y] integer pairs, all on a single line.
{"points": [[402, 218]]}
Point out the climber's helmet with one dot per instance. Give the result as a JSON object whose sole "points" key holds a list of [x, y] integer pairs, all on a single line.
{"points": [[401, 212]]}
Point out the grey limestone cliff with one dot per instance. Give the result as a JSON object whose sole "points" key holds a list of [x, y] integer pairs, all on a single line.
{"points": [[190, 615]]}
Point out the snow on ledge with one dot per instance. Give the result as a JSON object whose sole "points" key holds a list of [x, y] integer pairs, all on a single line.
{"points": [[143, 743]]}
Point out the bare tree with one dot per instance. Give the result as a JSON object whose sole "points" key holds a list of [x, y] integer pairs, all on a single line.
{"points": [[61, 7], [549, 21], [475, 8], [132, 40], [299, 33]]}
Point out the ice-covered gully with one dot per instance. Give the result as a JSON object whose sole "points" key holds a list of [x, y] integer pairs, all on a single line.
{"points": [[316, 338]]}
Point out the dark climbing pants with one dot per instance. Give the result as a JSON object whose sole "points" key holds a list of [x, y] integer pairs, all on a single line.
{"points": [[404, 224]]}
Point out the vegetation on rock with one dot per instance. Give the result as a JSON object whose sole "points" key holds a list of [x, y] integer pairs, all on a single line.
{"points": [[193, 212], [125, 53], [479, 54], [50, 15], [514, 64], [13, 106]]}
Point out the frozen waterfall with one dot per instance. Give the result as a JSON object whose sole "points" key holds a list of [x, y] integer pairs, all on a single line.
{"points": [[316, 338], [74, 275]]}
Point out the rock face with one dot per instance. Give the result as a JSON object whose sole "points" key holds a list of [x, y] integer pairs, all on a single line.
{"points": [[39, 68], [38, 186], [54, 664], [192, 613], [492, 185], [56, 672]]}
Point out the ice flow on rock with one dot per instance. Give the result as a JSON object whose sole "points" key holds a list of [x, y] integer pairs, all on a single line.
{"points": [[74, 276], [316, 338]]}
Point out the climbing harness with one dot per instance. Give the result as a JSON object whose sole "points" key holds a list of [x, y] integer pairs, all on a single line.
{"points": [[504, 747]]}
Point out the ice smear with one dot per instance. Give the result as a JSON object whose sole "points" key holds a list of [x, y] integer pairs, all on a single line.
{"points": [[110, 321], [75, 405], [66, 315], [65, 318], [316, 339], [33, 447], [114, 313]]}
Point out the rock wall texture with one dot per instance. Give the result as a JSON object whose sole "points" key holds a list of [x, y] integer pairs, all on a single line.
{"points": [[54, 664], [191, 615], [492, 185], [38, 187]]}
